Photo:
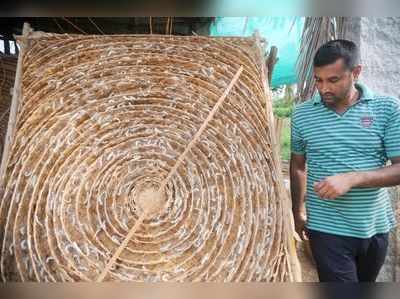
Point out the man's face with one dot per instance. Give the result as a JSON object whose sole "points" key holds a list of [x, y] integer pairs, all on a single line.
{"points": [[334, 81]]}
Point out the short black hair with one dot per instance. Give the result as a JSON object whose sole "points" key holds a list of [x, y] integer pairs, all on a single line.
{"points": [[335, 49]]}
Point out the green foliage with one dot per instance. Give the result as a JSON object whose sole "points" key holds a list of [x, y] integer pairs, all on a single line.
{"points": [[283, 107], [285, 141], [283, 112]]}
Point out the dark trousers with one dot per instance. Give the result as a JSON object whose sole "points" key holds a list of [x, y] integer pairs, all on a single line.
{"points": [[347, 259]]}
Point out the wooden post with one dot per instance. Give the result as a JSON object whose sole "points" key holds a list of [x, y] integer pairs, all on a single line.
{"points": [[151, 25], [15, 102], [6, 44], [271, 61]]}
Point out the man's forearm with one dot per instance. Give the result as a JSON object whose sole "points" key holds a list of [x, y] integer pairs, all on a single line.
{"points": [[384, 177], [298, 189]]}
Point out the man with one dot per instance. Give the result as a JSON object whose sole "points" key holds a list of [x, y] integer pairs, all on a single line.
{"points": [[345, 135]]}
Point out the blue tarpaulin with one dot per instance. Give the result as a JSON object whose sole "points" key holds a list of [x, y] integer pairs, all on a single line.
{"points": [[282, 32]]}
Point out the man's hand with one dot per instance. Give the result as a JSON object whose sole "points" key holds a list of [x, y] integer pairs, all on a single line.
{"points": [[334, 186], [300, 221]]}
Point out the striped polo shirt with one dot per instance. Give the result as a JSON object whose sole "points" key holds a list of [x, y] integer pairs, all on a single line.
{"points": [[361, 139]]}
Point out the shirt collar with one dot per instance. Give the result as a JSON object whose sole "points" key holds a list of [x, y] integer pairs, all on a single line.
{"points": [[366, 94]]}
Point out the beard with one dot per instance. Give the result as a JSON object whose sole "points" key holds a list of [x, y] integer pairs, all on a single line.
{"points": [[335, 98], [330, 98]]}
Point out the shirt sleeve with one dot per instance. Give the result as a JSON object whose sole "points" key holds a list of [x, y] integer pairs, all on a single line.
{"points": [[391, 139], [296, 140]]}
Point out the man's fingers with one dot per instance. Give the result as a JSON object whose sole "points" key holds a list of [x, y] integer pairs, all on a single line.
{"points": [[331, 195], [297, 236], [318, 185], [302, 233], [324, 191], [302, 236], [327, 194], [305, 235]]}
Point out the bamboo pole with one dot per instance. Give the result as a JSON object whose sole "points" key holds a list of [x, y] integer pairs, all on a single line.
{"points": [[171, 25], [15, 101], [151, 25], [167, 26]]}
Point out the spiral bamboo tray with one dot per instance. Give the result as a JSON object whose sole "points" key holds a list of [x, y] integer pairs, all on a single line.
{"points": [[143, 158]]}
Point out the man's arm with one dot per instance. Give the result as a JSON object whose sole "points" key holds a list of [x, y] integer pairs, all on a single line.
{"points": [[385, 177], [298, 179], [337, 185]]}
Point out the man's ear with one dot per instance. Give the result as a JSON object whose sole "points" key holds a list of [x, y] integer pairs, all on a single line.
{"points": [[356, 72]]}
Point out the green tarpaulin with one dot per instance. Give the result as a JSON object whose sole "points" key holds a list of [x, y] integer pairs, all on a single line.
{"points": [[282, 32]]}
